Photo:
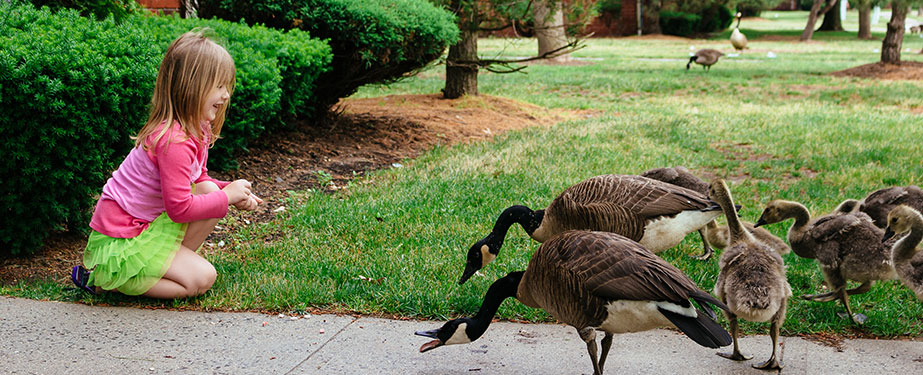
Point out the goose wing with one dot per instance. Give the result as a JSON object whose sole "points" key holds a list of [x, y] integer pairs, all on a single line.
{"points": [[613, 267], [643, 198], [608, 267], [880, 202], [832, 227]]}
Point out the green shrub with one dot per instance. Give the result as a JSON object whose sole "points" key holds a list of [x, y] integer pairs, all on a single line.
{"points": [[119, 9], [276, 71], [73, 91], [678, 23], [613, 7], [753, 8], [373, 41], [715, 18]]}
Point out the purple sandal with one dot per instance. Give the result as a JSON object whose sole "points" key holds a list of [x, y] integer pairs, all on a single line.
{"points": [[80, 276]]}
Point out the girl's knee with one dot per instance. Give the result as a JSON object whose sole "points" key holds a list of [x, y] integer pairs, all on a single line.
{"points": [[205, 187], [205, 278]]}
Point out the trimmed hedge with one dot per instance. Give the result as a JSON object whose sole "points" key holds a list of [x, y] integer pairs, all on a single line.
{"points": [[709, 19], [678, 23], [73, 91], [373, 41]]}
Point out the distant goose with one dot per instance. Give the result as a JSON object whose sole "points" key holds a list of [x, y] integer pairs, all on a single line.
{"points": [[597, 281], [705, 57], [656, 214], [846, 245], [907, 260], [751, 280], [712, 234], [738, 39], [880, 202]]}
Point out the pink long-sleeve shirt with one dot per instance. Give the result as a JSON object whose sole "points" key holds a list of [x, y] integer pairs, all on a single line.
{"points": [[158, 180]]}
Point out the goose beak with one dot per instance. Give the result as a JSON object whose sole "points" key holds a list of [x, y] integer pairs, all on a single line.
{"points": [[759, 223], [888, 234], [432, 344], [469, 271]]}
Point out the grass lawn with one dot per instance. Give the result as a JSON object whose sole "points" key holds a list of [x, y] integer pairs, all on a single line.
{"points": [[776, 127]]}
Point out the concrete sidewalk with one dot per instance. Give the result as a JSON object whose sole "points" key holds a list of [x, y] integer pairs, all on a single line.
{"points": [[64, 338]]}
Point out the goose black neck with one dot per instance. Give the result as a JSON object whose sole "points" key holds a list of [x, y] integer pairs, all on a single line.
{"points": [[499, 291], [528, 219]]}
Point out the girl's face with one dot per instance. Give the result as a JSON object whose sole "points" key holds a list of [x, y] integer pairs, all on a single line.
{"points": [[214, 101]]}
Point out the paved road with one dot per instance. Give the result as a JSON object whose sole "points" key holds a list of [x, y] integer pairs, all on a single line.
{"points": [[64, 338]]}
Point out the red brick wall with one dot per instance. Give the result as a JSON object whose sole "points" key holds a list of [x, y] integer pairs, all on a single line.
{"points": [[165, 6], [159, 4], [628, 22]]}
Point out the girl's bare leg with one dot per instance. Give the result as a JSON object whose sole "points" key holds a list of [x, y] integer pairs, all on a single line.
{"points": [[198, 231], [189, 273]]}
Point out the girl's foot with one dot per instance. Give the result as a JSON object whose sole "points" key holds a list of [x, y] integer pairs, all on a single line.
{"points": [[80, 276]]}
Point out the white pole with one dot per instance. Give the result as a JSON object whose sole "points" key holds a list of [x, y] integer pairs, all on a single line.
{"points": [[876, 14], [639, 18], [843, 4]]}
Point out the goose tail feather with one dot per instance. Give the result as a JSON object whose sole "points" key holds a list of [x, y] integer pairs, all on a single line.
{"points": [[702, 329]]}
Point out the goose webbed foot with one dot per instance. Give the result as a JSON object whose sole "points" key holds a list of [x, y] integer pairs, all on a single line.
{"points": [[707, 251], [857, 318], [735, 356], [822, 297], [706, 254], [771, 364]]}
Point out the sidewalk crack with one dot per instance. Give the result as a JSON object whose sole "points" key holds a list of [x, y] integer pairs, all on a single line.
{"points": [[322, 346]]}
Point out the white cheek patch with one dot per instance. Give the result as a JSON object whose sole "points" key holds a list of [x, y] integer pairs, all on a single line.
{"points": [[460, 336], [486, 256]]}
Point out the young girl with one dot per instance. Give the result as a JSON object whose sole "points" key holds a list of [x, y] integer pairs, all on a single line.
{"points": [[160, 205]]}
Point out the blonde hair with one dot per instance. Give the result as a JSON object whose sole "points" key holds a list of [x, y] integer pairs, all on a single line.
{"points": [[191, 68]]}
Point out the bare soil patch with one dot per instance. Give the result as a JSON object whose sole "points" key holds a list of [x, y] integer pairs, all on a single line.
{"points": [[906, 70], [362, 135]]}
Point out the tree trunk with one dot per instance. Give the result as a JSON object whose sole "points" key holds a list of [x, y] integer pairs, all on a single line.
{"points": [[832, 21], [189, 8], [461, 69], [816, 12], [865, 22], [891, 46], [549, 28]]}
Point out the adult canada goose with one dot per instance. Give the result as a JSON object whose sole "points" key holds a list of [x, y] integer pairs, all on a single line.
{"points": [[846, 245], [705, 57], [654, 213], [880, 202], [908, 262], [712, 234], [751, 280], [597, 281], [738, 39]]}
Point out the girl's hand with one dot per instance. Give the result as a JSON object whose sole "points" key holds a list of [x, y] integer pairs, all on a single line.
{"points": [[250, 203], [238, 191]]}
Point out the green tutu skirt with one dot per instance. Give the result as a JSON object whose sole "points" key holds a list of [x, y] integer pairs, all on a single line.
{"points": [[133, 265]]}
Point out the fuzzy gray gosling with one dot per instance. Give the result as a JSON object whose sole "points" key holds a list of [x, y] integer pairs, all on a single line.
{"points": [[907, 260], [751, 281]]}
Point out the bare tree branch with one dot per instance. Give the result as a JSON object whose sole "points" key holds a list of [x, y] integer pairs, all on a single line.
{"points": [[571, 46]]}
